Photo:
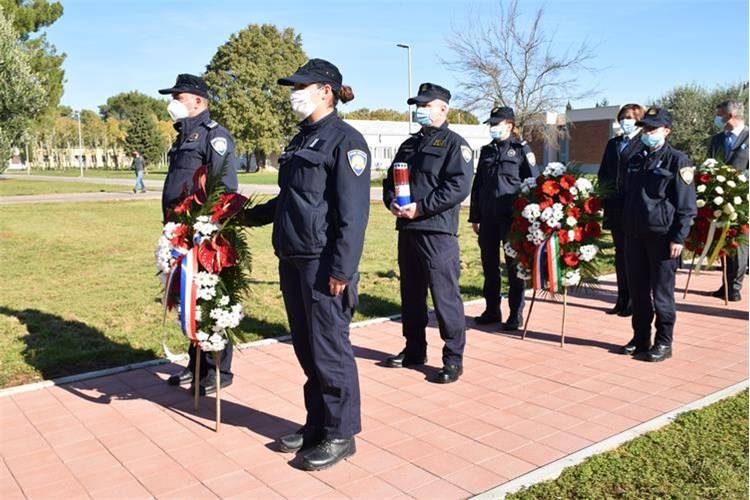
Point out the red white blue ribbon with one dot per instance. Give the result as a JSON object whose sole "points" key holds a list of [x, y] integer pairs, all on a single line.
{"points": [[545, 271], [188, 293]]}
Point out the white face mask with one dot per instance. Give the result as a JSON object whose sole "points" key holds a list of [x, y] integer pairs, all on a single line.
{"points": [[302, 101], [177, 110]]}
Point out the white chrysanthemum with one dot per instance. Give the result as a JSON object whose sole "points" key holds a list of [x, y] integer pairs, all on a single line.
{"points": [[710, 163], [719, 190], [588, 252], [731, 184], [729, 209], [584, 186], [571, 278], [204, 226], [224, 300], [522, 272], [571, 221], [554, 169], [700, 188], [571, 235], [531, 212], [510, 252], [721, 178], [733, 216], [700, 203], [742, 178], [573, 191], [737, 200], [718, 201]]}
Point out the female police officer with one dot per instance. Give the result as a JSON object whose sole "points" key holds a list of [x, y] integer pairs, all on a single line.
{"points": [[617, 154], [659, 207], [503, 164], [319, 217]]}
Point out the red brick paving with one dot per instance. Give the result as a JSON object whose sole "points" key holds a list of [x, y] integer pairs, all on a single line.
{"points": [[519, 405]]}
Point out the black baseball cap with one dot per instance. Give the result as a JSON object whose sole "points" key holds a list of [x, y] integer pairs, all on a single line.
{"points": [[190, 84], [656, 117], [429, 92], [315, 71], [500, 113]]}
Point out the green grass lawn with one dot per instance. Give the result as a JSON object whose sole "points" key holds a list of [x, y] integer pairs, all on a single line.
{"points": [[703, 454], [16, 187], [263, 177]]}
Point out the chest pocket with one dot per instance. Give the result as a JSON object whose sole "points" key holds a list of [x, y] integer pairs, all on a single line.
{"points": [[509, 165], [432, 159], [188, 155], [307, 171], [656, 182]]}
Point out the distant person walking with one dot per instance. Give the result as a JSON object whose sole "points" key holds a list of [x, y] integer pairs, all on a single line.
{"points": [[139, 165]]}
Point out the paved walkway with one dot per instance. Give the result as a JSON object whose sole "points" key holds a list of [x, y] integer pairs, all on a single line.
{"points": [[519, 406]]}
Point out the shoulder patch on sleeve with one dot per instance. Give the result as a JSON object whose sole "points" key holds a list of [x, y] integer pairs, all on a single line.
{"points": [[219, 144], [531, 158], [687, 174], [211, 124], [357, 161], [467, 153]]}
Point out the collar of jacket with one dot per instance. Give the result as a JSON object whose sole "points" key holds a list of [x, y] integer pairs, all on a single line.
{"points": [[308, 127], [189, 124], [428, 131]]}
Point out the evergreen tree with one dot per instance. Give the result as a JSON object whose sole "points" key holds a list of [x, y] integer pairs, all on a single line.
{"points": [[143, 136]]}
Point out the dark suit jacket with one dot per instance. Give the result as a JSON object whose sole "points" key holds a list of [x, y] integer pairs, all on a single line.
{"points": [[738, 157], [612, 175]]}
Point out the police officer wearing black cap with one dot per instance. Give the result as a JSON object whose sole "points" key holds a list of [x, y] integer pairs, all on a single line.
{"points": [[503, 164], [659, 207], [200, 141], [611, 175], [440, 165], [319, 220]]}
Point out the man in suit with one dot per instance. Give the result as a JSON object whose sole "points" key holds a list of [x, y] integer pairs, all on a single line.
{"points": [[730, 145]]}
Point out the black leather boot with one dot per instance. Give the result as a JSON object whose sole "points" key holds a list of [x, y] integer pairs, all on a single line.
{"points": [[302, 440], [328, 453], [184, 377], [403, 360]]}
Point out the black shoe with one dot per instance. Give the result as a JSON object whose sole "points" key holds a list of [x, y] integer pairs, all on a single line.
{"points": [[184, 377], [632, 349], [487, 318], [449, 374], [659, 352], [625, 312], [614, 310], [208, 383], [511, 325], [301, 440], [329, 453], [401, 360], [734, 297], [719, 294]]}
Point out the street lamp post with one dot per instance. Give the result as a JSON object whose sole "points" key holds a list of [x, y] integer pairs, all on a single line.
{"points": [[408, 95], [80, 143]]}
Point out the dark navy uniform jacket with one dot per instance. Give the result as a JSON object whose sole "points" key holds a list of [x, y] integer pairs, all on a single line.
{"points": [[323, 206], [440, 171], [612, 172], [659, 195], [503, 165], [200, 141], [737, 157]]}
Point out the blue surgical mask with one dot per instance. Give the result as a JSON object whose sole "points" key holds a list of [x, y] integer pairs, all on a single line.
{"points": [[652, 140], [501, 131], [423, 116], [627, 125], [719, 122]]}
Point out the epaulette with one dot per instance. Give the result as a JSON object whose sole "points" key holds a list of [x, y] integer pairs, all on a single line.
{"points": [[211, 124]]}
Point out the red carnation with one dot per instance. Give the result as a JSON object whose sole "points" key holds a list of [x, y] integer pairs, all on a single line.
{"points": [[228, 205], [592, 229], [567, 181], [744, 228], [578, 233], [562, 236], [565, 198], [520, 203], [704, 178], [570, 259], [216, 254], [550, 187], [574, 212], [732, 232], [546, 203], [591, 205]]}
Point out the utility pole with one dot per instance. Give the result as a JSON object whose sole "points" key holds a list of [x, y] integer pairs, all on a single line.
{"points": [[408, 93]]}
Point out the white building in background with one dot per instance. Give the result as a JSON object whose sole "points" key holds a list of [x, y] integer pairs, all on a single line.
{"points": [[384, 138]]}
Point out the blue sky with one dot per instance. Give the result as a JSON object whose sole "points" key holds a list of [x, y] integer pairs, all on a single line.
{"points": [[643, 47]]}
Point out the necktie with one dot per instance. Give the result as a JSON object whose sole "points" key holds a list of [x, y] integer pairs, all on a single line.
{"points": [[729, 139]]}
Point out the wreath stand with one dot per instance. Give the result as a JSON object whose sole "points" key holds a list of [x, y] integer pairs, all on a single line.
{"points": [[196, 396], [723, 278], [531, 308]]}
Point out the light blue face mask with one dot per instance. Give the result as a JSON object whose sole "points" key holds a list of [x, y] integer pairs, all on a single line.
{"points": [[627, 125], [719, 122], [423, 116], [652, 140]]}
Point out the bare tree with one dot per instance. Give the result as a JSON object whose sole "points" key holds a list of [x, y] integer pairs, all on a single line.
{"points": [[504, 63]]}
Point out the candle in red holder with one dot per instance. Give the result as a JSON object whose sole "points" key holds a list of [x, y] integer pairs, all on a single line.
{"points": [[401, 182]]}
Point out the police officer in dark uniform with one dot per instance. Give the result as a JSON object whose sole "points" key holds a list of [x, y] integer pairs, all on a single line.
{"points": [[612, 171], [503, 165], [319, 220], [440, 164], [731, 146], [200, 141], [659, 207]]}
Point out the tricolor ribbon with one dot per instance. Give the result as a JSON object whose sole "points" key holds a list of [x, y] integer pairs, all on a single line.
{"points": [[188, 293], [545, 272]]}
